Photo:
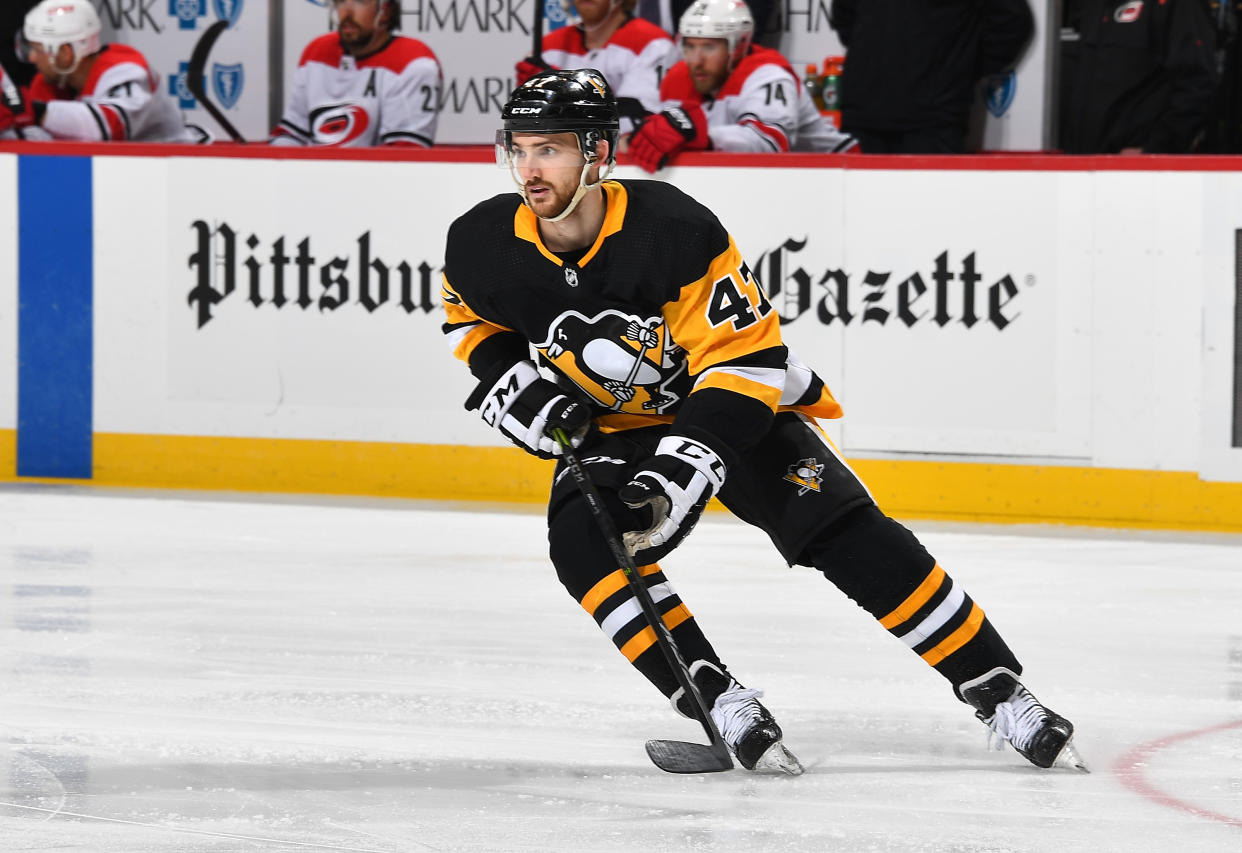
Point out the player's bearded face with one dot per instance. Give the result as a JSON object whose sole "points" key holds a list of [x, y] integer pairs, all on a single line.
{"points": [[356, 21], [549, 167], [594, 11], [707, 61]]}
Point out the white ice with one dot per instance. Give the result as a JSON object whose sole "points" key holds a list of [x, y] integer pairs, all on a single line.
{"points": [[228, 673]]}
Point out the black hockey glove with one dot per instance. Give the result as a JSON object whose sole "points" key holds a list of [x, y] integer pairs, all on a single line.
{"points": [[675, 484], [526, 408]]}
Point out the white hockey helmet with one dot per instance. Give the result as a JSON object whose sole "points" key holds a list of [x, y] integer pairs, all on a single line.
{"points": [[54, 23], [719, 19]]}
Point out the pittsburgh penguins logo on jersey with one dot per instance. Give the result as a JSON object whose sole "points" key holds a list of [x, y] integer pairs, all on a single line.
{"points": [[624, 361], [338, 124], [806, 475]]}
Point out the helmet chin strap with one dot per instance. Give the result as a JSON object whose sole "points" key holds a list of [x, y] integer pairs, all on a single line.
{"points": [[582, 190], [63, 74]]}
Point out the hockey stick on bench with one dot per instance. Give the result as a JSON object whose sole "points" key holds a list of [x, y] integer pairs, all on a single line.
{"points": [[673, 756], [195, 82], [536, 32]]}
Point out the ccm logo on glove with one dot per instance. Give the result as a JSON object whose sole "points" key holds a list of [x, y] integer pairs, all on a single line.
{"points": [[675, 484], [528, 409]]}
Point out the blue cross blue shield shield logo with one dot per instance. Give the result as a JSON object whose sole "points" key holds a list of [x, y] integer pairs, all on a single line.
{"points": [[179, 89], [556, 15], [228, 10], [187, 12], [1001, 94], [226, 83]]}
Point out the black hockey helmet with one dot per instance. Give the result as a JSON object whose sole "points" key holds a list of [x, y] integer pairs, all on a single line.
{"points": [[572, 100]]}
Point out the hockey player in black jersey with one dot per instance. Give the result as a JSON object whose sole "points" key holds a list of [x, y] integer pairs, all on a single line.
{"points": [[669, 374]]}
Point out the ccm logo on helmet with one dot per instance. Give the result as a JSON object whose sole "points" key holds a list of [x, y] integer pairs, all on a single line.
{"points": [[521, 111]]}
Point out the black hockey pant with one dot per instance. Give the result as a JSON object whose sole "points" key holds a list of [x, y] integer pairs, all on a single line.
{"points": [[796, 487]]}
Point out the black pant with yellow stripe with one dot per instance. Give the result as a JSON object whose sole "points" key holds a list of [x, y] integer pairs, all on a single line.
{"points": [[796, 487]]}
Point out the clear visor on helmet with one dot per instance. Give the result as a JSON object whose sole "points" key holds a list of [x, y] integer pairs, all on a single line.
{"points": [[24, 48], [502, 149], [334, 10], [538, 151]]}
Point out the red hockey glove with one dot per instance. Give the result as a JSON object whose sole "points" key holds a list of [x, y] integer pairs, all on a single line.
{"points": [[15, 111], [528, 68], [661, 135]]}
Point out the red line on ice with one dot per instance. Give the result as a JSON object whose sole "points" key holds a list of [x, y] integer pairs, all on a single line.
{"points": [[1131, 766]]}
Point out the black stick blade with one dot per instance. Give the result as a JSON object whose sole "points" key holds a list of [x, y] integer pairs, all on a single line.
{"points": [[678, 756]]}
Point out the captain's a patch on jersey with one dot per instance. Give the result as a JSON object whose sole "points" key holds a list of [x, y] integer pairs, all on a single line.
{"points": [[806, 475]]}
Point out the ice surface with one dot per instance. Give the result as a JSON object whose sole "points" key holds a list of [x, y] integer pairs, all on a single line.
{"points": [[211, 673]]}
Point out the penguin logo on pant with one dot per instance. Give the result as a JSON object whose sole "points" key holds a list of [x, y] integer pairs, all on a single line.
{"points": [[805, 474]]}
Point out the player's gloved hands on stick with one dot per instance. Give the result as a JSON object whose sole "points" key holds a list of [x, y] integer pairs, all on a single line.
{"points": [[20, 115], [661, 135], [676, 483], [528, 68], [526, 408]]}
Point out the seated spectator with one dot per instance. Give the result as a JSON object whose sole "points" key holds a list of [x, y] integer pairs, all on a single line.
{"points": [[730, 94], [633, 54], [87, 91], [912, 67], [1135, 78], [362, 86]]}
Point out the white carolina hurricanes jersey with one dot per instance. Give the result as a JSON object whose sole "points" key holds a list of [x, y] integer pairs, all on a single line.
{"points": [[633, 61], [391, 97], [762, 106], [121, 99]]}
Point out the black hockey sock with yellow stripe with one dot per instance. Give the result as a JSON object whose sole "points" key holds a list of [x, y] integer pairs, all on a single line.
{"points": [[588, 571], [882, 566]]}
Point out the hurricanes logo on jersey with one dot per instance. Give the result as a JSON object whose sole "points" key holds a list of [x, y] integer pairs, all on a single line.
{"points": [[624, 361], [1129, 12], [805, 474], [338, 124]]}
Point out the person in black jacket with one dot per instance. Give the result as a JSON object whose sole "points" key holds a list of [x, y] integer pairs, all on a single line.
{"points": [[12, 14], [1135, 76], [911, 67]]}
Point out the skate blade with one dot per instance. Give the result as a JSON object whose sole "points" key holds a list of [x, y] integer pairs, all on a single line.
{"points": [[1070, 759], [777, 760]]}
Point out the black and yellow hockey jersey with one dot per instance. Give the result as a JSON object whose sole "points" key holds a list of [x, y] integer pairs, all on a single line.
{"points": [[660, 320]]}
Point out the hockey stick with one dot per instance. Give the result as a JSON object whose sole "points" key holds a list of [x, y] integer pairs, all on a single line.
{"points": [[638, 362], [536, 33], [673, 756], [195, 82]]}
